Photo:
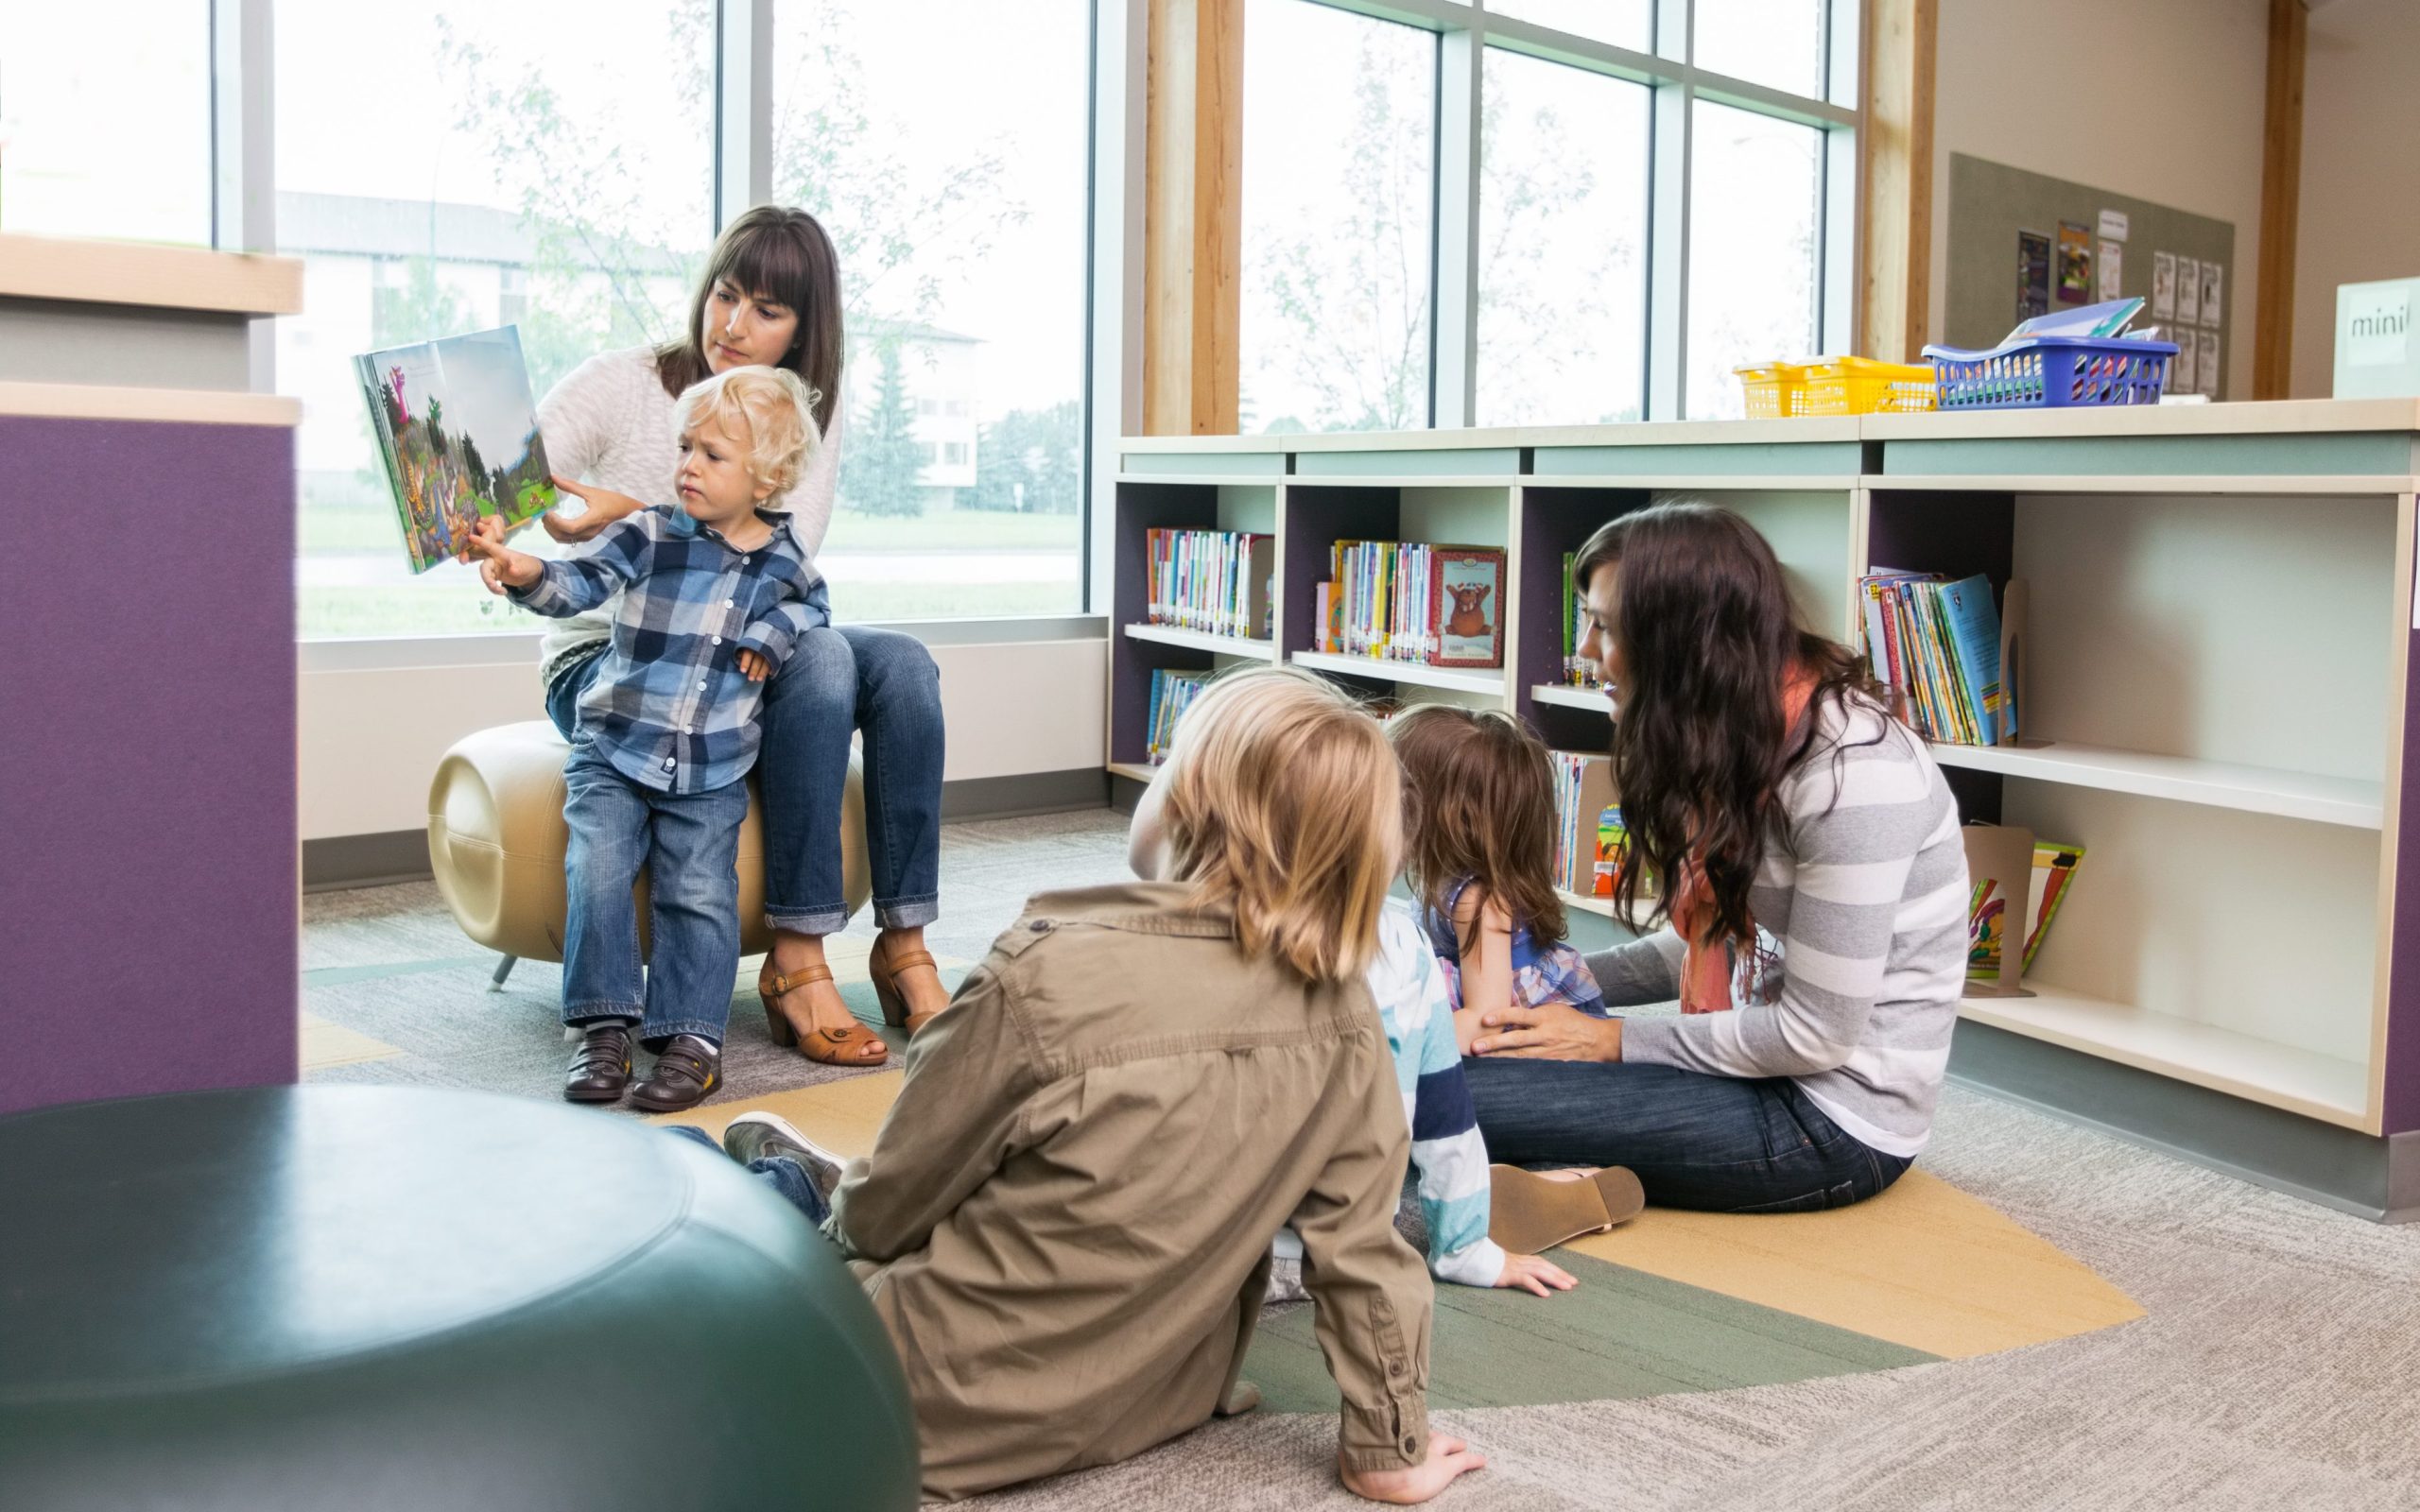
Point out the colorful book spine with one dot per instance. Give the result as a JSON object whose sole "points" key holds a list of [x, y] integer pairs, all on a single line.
{"points": [[1936, 643], [1219, 582], [1172, 694]]}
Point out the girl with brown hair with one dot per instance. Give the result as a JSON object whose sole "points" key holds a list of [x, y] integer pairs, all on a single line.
{"points": [[771, 296], [1814, 928]]}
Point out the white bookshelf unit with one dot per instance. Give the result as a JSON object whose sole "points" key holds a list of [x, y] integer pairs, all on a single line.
{"points": [[2216, 689]]}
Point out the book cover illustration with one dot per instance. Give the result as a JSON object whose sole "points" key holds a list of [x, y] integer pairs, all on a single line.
{"points": [[2054, 869], [458, 433], [1467, 591]]}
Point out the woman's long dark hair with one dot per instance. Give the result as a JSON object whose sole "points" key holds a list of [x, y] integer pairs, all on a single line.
{"points": [[1707, 638], [782, 255]]}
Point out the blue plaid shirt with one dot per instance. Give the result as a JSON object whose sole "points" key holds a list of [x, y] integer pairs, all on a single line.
{"points": [[670, 708]]}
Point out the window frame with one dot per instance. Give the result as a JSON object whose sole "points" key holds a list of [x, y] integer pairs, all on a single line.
{"points": [[244, 218], [1465, 31]]}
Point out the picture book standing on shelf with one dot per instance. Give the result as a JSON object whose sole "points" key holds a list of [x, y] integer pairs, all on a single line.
{"points": [[458, 435]]}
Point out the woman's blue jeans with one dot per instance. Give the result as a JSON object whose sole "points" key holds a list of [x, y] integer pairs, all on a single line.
{"points": [[689, 844], [1717, 1144], [836, 680]]}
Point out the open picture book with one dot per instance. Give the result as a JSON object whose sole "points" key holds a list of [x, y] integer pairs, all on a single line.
{"points": [[458, 435]]}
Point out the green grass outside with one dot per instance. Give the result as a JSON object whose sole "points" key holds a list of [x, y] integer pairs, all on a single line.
{"points": [[352, 527], [435, 608]]}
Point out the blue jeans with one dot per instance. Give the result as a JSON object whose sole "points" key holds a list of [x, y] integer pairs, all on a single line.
{"points": [[785, 1176], [690, 846], [837, 680], [1714, 1143]]}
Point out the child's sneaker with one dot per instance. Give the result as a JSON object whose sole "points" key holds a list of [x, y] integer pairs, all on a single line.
{"points": [[600, 1071]]}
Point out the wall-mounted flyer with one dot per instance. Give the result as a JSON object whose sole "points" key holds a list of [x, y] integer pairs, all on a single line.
{"points": [[2033, 275], [2188, 290], [2163, 286], [2213, 289]]}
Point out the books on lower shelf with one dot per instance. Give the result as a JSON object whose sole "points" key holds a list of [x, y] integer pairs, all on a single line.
{"points": [[1216, 581], [1988, 905], [1578, 671], [1591, 844], [1172, 694], [1940, 645], [1410, 601]]}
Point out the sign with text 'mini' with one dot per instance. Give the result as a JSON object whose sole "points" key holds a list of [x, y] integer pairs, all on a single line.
{"points": [[2377, 352]]}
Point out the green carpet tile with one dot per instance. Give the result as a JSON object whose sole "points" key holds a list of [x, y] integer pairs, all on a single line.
{"points": [[1620, 1334]]}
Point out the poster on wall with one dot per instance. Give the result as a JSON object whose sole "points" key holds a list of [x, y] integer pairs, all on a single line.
{"points": [[2188, 290], [2209, 357], [2111, 259], [2075, 263], [2214, 286], [2113, 225], [2033, 275], [2184, 372], [2164, 286]]}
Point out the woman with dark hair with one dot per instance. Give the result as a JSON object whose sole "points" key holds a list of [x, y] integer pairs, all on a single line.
{"points": [[1813, 907], [771, 296]]}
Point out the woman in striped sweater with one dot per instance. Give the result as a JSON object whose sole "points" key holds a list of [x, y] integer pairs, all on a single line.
{"points": [[1813, 924]]}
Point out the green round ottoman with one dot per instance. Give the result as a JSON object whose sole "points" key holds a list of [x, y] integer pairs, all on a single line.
{"points": [[389, 1297]]}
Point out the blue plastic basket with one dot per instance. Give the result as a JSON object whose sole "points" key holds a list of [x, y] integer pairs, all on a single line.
{"points": [[2051, 372]]}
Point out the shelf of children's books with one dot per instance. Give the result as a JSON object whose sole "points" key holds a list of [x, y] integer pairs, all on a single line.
{"points": [[1461, 679], [2260, 1071], [1205, 641], [1603, 907], [2182, 779], [1592, 699]]}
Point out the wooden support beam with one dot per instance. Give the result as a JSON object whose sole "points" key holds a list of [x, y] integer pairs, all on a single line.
{"points": [[2281, 172], [1193, 218], [1894, 177]]}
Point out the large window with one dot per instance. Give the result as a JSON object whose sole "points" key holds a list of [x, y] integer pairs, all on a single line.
{"points": [[943, 144], [1658, 194], [1340, 150], [74, 159], [508, 168], [1563, 234], [1757, 189]]}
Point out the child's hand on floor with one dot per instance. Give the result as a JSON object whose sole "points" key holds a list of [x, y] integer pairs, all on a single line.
{"points": [[500, 566], [754, 664], [1535, 1274]]}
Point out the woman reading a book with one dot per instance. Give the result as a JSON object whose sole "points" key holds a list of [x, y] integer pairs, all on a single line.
{"points": [[1812, 906], [771, 296]]}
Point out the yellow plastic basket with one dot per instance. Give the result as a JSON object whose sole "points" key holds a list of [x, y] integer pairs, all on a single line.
{"points": [[1860, 386], [1777, 391]]}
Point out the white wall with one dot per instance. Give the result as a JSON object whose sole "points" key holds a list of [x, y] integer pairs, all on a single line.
{"points": [[2159, 99], [2359, 209], [371, 736]]}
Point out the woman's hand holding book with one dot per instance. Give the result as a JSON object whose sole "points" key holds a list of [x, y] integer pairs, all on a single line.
{"points": [[604, 507]]}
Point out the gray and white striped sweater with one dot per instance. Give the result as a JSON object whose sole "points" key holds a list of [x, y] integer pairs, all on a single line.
{"points": [[1864, 887]]}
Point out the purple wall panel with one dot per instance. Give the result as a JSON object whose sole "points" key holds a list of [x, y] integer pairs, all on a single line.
{"points": [[147, 881], [2403, 977]]}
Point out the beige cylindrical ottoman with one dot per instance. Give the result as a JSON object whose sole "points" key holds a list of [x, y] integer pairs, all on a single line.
{"points": [[497, 838]]}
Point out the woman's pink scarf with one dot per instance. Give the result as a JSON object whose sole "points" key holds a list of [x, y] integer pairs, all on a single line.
{"points": [[1707, 974]]}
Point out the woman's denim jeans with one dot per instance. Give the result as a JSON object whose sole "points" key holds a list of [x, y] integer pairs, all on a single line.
{"points": [[785, 1176], [689, 844], [1713, 1142], [838, 680]]}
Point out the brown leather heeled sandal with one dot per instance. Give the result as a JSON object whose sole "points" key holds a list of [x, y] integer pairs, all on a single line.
{"points": [[884, 972], [852, 1046]]}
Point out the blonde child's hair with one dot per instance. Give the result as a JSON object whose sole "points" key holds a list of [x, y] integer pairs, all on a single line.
{"points": [[770, 411], [1283, 805]]}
